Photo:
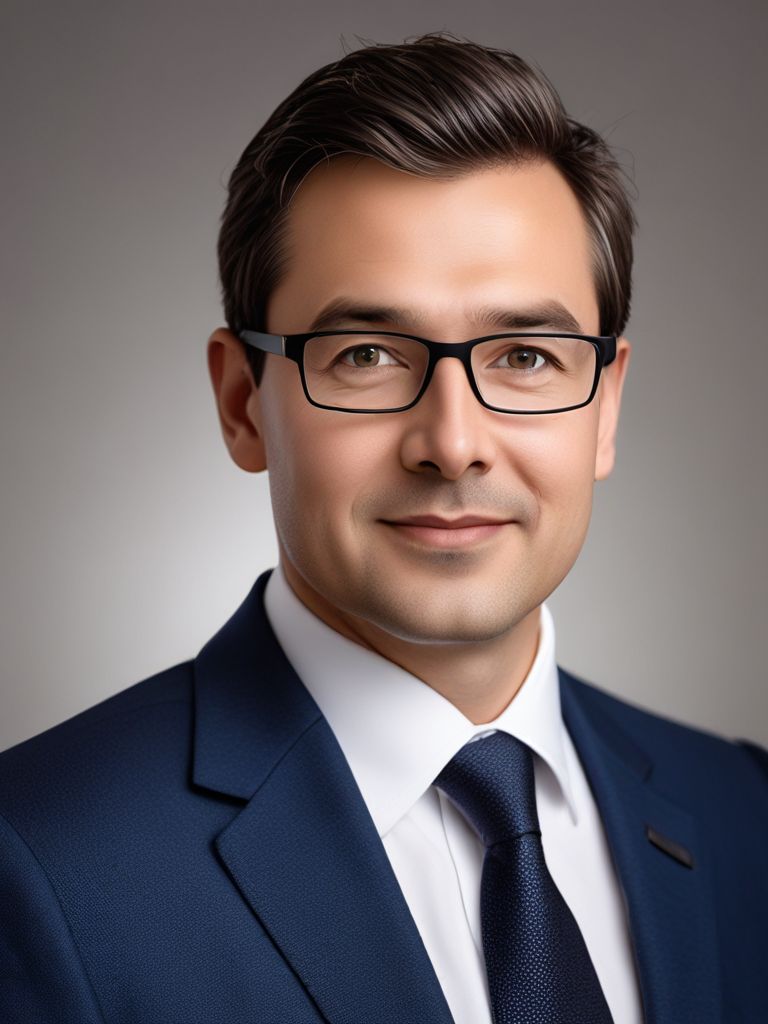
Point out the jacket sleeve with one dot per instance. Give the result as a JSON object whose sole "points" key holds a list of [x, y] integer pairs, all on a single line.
{"points": [[42, 979]]}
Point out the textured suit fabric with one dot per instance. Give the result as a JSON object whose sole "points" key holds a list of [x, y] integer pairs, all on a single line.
{"points": [[195, 850]]}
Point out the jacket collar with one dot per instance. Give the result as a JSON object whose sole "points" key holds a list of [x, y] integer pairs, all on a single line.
{"points": [[250, 706], [305, 854], [662, 859]]}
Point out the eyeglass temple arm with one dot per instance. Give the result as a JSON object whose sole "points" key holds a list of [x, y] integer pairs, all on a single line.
{"points": [[610, 349], [265, 342]]}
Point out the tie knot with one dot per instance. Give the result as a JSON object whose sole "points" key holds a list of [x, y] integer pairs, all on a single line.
{"points": [[491, 780]]}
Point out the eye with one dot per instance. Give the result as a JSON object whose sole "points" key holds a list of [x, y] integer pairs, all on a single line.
{"points": [[367, 356], [522, 359]]}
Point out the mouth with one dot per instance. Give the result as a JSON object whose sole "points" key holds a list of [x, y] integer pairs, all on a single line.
{"points": [[434, 531]]}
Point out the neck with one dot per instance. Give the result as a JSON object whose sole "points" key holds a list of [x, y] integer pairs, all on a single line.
{"points": [[480, 679]]}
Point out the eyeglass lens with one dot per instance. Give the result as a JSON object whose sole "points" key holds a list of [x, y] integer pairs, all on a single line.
{"points": [[363, 371]]}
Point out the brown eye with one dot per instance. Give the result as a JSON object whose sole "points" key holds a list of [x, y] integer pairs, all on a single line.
{"points": [[523, 359], [367, 355]]}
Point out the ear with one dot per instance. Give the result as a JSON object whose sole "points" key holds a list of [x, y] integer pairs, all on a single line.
{"points": [[609, 396], [237, 399]]}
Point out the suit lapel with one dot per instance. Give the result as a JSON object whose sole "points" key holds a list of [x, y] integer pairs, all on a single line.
{"points": [[653, 841], [304, 851]]}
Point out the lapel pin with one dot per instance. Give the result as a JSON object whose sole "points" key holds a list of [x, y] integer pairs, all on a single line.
{"points": [[670, 847]]}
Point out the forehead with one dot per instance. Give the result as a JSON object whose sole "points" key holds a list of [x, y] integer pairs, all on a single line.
{"points": [[504, 235]]}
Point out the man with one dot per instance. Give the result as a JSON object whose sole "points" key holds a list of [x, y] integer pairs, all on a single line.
{"points": [[373, 796]]}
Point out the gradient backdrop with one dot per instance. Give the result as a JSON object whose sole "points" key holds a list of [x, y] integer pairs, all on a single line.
{"points": [[128, 536]]}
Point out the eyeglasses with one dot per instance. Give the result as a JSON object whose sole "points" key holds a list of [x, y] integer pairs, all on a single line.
{"points": [[525, 373]]}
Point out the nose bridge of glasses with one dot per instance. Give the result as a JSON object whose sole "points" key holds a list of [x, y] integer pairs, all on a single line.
{"points": [[445, 353]]}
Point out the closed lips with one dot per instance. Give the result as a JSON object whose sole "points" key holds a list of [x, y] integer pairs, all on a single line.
{"points": [[447, 524]]}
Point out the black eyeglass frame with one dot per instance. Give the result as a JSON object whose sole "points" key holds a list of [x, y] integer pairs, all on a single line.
{"points": [[292, 347]]}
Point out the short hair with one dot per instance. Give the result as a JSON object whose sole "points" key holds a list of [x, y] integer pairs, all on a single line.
{"points": [[437, 107]]}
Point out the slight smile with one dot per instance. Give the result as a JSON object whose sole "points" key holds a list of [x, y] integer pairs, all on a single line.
{"points": [[447, 533]]}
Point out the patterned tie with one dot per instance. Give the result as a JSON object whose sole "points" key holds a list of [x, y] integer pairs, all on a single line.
{"points": [[539, 970]]}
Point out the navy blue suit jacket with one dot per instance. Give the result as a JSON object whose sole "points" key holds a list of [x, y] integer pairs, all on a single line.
{"points": [[195, 850]]}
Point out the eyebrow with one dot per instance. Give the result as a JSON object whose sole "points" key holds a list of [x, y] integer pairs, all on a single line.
{"points": [[549, 313]]}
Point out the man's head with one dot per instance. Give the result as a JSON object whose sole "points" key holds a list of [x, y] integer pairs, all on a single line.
{"points": [[441, 179]]}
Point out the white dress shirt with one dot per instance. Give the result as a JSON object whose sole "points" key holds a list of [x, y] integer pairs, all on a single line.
{"points": [[397, 734]]}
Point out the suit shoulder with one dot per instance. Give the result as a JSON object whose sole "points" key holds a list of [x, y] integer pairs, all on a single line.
{"points": [[141, 724], [668, 738]]}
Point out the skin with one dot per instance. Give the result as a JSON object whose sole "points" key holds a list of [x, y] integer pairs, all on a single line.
{"points": [[464, 620]]}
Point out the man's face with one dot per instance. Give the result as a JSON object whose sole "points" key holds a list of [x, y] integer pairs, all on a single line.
{"points": [[512, 238]]}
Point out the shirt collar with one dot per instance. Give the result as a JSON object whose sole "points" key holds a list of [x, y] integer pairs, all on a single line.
{"points": [[395, 731]]}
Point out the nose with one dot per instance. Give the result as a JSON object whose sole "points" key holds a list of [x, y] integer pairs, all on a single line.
{"points": [[448, 431]]}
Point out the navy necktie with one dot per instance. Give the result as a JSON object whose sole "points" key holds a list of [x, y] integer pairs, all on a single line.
{"points": [[539, 969]]}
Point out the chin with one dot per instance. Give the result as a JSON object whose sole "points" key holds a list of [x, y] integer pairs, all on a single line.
{"points": [[478, 615]]}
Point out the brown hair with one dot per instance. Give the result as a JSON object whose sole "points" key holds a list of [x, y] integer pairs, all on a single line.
{"points": [[437, 107]]}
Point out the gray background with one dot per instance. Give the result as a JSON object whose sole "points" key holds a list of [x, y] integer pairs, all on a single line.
{"points": [[128, 536]]}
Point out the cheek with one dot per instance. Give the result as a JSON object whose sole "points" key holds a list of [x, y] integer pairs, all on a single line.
{"points": [[320, 463], [557, 460]]}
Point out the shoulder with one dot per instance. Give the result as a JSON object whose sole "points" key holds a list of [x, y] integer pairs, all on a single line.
{"points": [[691, 754], [107, 752]]}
